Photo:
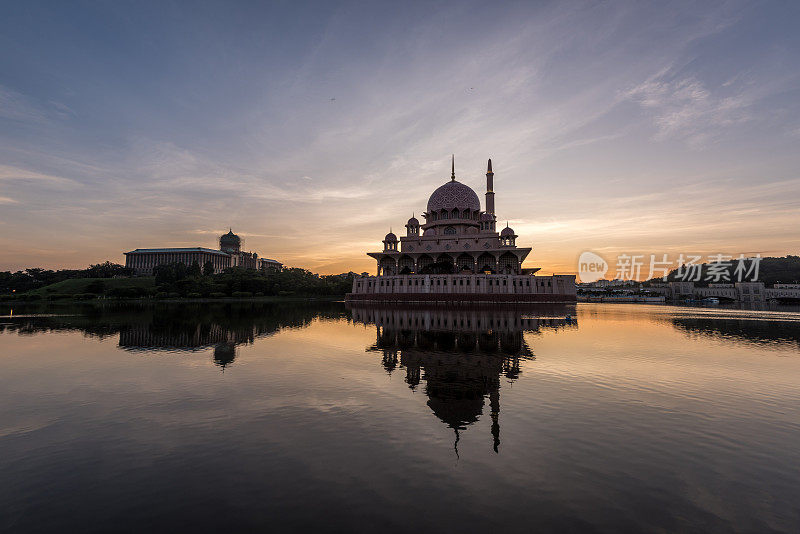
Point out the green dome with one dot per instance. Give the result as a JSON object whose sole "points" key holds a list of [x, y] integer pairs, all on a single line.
{"points": [[230, 239]]}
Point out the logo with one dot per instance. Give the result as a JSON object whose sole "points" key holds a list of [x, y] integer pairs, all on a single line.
{"points": [[591, 267]]}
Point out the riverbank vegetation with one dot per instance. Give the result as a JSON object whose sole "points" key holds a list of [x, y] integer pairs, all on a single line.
{"points": [[111, 281], [770, 271]]}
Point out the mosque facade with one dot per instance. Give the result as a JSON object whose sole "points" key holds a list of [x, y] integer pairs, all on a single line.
{"points": [[458, 254]]}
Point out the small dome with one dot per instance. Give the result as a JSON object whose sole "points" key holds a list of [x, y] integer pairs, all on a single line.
{"points": [[454, 194], [390, 237], [413, 222], [507, 231]]}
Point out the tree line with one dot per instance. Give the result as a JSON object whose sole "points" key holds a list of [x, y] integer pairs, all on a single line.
{"points": [[34, 278], [177, 279], [180, 280], [771, 270]]}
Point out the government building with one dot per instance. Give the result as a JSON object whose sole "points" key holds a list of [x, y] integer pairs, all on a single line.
{"points": [[457, 254], [143, 260]]}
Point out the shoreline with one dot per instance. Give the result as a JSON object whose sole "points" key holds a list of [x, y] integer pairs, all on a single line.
{"points": [[177, 300]]}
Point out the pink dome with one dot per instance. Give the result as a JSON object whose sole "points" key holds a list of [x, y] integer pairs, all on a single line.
{"points": [[452, 195]]}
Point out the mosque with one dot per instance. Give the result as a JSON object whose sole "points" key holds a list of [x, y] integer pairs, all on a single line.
{"points": [[457, 254]]}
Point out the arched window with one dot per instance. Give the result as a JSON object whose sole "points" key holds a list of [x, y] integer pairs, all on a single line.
{"points": [[445, 258], [388, 266], [456, 215], [423, 260], [449, 231], [464, 262], [445, 215], [405, 265], [486, 262], [509, 263]]}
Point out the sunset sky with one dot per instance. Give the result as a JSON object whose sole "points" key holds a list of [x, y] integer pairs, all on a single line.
{"points": [[613, 127]]}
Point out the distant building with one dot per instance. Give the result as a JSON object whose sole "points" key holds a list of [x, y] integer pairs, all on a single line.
{"points": [[603, 283], [143, 260], [748, 292]]}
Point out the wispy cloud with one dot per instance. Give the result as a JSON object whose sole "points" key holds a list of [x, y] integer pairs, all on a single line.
{"points": [[592, 113], [16, 106], [11, 174], [688, 109]]}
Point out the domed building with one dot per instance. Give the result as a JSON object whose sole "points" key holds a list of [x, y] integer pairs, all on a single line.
{"points": [[459, 239], [230, 242], [143, 260]]}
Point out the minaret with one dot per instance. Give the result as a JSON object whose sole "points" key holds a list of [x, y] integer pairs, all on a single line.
{"points": [[494, 404], [490, 190]]}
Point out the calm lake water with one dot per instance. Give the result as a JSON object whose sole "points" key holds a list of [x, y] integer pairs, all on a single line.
{"points": [[297, 416]]}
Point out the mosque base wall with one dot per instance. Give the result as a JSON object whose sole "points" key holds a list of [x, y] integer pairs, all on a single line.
{"points": [[482, 288], [459, 297]]}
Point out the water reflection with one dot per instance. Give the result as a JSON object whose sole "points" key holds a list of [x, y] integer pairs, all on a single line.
{"points": [[759, 330], [177, 327], [460, 354], [643, 418]]}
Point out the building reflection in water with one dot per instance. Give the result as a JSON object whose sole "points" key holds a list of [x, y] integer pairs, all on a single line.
{"points": [[186, 327], [739, 327], [460, 355], [175, 336], [221, 326]]}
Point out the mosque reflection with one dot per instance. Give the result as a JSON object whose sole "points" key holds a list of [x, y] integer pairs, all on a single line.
{"points": [[460, 356]]}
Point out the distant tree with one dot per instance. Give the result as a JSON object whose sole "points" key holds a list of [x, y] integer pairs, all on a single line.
{"points": [[208, 268], [180, 271], [165, 274], [771, 270], [96, 287], [194, 270], [107, 270]]}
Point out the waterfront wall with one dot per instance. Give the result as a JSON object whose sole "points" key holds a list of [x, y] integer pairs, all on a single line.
{"points": [[464, 288]]}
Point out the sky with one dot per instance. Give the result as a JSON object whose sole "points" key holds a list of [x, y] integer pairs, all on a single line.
{"points": [[311, 129]]}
